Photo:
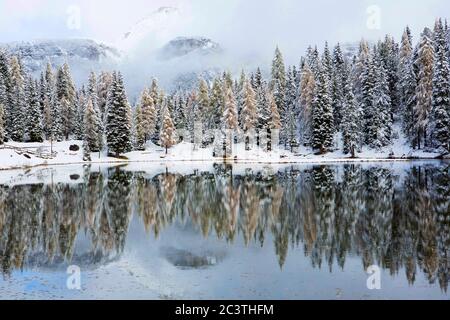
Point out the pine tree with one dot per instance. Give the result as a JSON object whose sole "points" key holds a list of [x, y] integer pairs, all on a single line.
{"points": [[424, 90], [441, 91], [312, 59], [34, 116], [404, 83], [408, 96], [2, 124], [278, 87], [216, 101], [249, 111], [359, 73], [118, 119], [291, 109], [366, 97], [80, 104], [306, 97], [4, 99], [339, 75], [351, 118], [158, 99], [66, 94], [203, 103], [5, 92], [167, 136], [104, 82], [92, 126], [322, 116], [327, 65], [16, 110], [379, 128], [139, 131]]}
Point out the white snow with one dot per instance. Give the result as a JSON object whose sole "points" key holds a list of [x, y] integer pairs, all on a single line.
{"points": [[11, 159]]}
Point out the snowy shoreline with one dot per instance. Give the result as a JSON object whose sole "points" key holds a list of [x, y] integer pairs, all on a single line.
{"points": [[10, 159]]}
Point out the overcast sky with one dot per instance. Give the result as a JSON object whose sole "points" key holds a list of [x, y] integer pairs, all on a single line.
{"points": [[238, 24]]}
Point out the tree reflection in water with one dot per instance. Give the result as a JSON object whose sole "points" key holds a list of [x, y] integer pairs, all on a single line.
{"points": [[396, 220]]}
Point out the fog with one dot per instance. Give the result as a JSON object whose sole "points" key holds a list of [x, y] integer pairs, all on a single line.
{"points": [[248, 30]]}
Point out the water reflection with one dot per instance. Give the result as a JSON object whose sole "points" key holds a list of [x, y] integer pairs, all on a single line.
{"points": [[398, 220]]}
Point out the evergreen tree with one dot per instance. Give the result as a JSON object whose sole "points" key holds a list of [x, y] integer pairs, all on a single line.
{"points": [[80, 104], [327, 65], [408, 96], [104, 82], [278, 87], [2, 124], [339, 75], [118, 119], [17, 108], [404, 82], [66, 94], [34, 116], [359, 73], [366, 98], [441, 90], [291, 109], [139, 131], [351, 118], [92, 126], [203, 103], [379, 128], [424, 90], [216, 101], [322, 116], [5, 92]]}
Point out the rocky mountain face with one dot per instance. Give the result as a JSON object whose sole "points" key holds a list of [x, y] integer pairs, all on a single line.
{"points": [[81, 54], [182, 46]]}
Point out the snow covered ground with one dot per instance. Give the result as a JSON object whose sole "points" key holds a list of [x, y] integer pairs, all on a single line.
{"points": [[12, 159]]}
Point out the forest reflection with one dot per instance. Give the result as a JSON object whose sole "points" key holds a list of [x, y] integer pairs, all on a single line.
{"points": [[398, 220]]}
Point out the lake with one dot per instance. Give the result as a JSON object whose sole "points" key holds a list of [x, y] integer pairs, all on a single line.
{"points": [[216, 231]]}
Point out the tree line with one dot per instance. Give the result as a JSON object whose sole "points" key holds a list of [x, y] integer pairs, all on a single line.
{"points": [[329, 101]]}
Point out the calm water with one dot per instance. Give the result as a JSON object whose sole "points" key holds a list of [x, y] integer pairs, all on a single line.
{"points": [[216, 231]]}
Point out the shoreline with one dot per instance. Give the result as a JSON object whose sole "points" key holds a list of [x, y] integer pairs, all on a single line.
{"points": [[229, 161]]}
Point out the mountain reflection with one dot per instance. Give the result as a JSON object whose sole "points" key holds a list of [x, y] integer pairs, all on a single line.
{"points": [[398, 220]]}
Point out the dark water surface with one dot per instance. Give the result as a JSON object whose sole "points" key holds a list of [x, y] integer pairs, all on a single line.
{"points": [[223, 231]]}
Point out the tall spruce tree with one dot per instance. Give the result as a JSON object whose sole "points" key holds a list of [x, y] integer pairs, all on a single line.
{"points": [[441, 90], [351, 120], [34, 115], [92, 126], [17, 99], [339, 75], [278, 87], [66, 94], [379, 129], [118, 119], [2, 124], [322, 115]]}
